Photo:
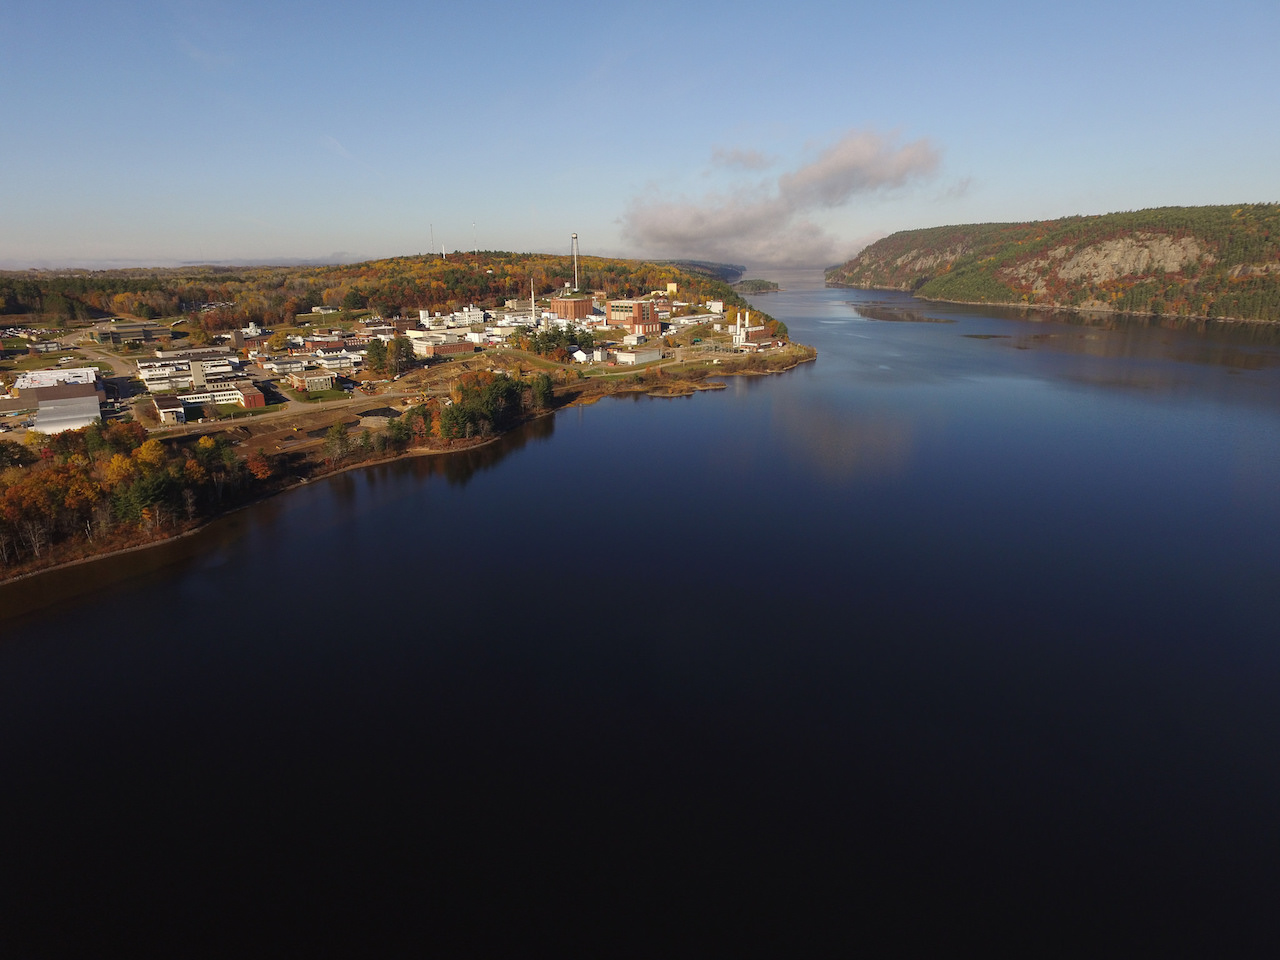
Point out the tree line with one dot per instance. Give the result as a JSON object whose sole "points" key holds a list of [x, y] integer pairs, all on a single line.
{"points": [[106, 483], [218, 299], [1236, 275]]}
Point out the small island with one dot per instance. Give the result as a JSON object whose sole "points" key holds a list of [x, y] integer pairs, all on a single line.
{"points": [[752, 287]]}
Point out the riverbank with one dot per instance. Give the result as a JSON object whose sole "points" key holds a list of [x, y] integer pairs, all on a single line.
{"points": [[308, 464], [1085, 312]]}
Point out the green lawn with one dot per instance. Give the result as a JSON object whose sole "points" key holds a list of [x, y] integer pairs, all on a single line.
{"points": [[43, 361], [314, 396]]}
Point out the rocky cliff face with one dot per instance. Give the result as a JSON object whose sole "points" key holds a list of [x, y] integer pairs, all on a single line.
{"points": [[1192, 261]]}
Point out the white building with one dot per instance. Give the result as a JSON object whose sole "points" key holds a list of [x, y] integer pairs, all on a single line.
{"points": [[743, 332], [695, 319], [642, 355], [338, 361], [170, 410], [179, 374], [36, 379], [283, 365], [66, 413]]}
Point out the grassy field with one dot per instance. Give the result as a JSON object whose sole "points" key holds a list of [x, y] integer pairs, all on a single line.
{"points": [[49, 361], [314, 396]]}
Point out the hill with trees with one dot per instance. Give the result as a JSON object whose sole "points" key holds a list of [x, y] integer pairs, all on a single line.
{"points": [[222, 298], [1216, 262]]}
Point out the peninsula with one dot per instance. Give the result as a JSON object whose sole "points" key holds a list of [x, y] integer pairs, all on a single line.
{"points": [[137, 405]]}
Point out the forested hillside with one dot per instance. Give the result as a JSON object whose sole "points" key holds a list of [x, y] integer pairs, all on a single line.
{"points": [[1185, 261], [274, 295]]}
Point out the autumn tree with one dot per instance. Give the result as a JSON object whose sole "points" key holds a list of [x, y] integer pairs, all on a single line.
{"points": [[260, 465], [151, 455]]}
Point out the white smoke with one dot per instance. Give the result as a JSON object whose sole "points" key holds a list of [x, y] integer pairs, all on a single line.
{"points": [[771, 223]]}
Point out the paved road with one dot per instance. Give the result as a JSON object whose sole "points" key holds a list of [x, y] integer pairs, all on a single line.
{"points": [[119, 367]]}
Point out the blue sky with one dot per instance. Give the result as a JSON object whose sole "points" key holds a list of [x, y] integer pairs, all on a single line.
{"points": [[160, 132]]}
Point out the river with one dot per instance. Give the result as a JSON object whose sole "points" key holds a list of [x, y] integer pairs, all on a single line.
{"points": [[964, 633]]}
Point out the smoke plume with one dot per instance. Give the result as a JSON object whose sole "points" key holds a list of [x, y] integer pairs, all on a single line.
{"points": [[771, 222]]}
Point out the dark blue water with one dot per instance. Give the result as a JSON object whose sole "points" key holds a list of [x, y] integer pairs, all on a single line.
{"points": [[964, 634]]}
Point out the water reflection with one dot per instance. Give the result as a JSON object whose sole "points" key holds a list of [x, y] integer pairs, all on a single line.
{"points": [[841, 448], [155, 566], [913, 312], [207, 549], [1222, 331], [1246, 346], [343, 486], [1175, 357], [1039, 639], [459, 468]]}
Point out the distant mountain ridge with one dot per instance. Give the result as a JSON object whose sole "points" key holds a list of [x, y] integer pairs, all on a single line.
{"points": [[1220, 261]]}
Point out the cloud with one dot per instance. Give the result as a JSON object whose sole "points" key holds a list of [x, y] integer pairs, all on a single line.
{"points": [[958, 190], [772, 223], [860, 163], [743, 159], [851, 248]]}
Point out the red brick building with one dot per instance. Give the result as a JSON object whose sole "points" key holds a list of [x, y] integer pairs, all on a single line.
{"points": [[571, 308], [637, 316], [429, 349]]}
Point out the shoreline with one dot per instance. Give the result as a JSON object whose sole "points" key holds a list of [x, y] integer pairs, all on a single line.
{"points": [[1058, 308], [654, 389]]}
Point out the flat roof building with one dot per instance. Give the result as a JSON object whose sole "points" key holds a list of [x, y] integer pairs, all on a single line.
{"points": [[125, 331], [241, 392], [34, 379], [637, 316], [69, 413], [572, 308], [170, 409], [310, 380]]}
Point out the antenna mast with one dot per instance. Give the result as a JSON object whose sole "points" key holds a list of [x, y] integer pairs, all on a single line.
{"points": [[574, 238]]}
